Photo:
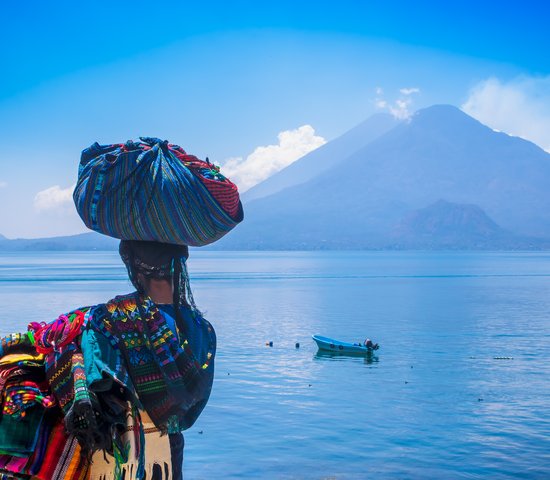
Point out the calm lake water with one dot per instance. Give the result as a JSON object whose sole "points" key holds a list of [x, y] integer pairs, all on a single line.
{"points": [[435, 403]]}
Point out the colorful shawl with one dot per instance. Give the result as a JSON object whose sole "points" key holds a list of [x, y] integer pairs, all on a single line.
{"points": [[170, 383]]}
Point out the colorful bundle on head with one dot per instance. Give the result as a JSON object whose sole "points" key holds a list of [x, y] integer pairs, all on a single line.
{"points": [[154, 191]]}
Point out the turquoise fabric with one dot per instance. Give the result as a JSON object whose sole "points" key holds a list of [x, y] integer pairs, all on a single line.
{"points": [[104, 366], [18, 436]]}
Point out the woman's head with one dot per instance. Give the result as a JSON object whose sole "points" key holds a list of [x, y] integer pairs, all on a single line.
{"points": [[159, 261], [151, 259]]}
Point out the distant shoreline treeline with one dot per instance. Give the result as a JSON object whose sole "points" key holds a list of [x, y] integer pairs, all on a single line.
{"points": [[95, 242]]}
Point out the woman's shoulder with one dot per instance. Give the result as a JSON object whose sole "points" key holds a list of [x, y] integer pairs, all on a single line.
{"points": [[68, 326]]}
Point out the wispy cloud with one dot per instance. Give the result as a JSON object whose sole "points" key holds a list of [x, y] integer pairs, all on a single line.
{"points": [[519, 107], [54, 199], [266, 160], [409, 91], [400, 107], [3, 184]]}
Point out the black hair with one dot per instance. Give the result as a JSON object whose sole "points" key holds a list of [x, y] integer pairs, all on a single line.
{"points": [[160, 261]]}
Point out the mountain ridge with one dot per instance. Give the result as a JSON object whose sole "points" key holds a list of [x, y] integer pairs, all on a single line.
{"points": [[324, 157], [433, 171], [440, 152], [446, 225]]}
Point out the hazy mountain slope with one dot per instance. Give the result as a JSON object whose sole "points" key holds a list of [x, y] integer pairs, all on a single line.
{"points": [[456, 226], [440, 153], [324, 157], [386, 195]]}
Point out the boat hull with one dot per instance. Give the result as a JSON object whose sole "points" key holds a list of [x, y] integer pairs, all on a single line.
{"points": [[327, 344]]}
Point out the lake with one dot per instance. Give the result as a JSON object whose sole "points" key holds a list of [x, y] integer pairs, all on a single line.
{"points": [[460, 387]]}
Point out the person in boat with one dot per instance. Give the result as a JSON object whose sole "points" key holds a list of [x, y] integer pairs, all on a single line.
{"points": [[105, 392]]}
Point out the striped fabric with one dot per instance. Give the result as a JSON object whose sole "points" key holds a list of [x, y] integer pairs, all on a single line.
{"points": [[63, 458], [152, 190]]}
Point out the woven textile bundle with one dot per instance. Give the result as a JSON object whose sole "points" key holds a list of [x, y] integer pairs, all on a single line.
{"points": [[152, 190]]}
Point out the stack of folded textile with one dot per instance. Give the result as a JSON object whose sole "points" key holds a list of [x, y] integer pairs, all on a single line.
{"points": [[33, 442]]}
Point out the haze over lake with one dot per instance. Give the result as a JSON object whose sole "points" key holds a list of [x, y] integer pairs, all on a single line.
{"points": [[459, 389]]}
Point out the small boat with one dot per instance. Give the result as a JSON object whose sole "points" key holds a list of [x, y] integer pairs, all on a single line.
{"points": [[330, 345]]}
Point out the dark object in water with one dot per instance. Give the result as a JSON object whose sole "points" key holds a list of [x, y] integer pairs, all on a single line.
{"points": [[268, 344], [297, 345]]}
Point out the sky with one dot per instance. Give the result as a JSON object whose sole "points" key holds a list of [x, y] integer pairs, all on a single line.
{"points": [[251, 85]]}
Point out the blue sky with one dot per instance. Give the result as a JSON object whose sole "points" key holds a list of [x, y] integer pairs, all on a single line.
{"points": [[245, 81]]}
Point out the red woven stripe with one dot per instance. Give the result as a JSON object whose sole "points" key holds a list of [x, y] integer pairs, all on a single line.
{"points": [[225, 192]]}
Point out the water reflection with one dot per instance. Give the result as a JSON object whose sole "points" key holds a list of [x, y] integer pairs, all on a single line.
{"points": [[368, 358]]}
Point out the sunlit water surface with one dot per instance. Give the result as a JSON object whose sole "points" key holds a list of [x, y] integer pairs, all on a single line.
{"points": [[438, 401]]}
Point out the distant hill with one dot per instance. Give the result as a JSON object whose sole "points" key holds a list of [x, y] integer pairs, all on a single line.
{"points": [[324, 157], [84, 241], [445, 225], [439, 153]]}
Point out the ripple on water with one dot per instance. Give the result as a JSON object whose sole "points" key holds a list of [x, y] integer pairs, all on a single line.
{"points": [[435, 403]]}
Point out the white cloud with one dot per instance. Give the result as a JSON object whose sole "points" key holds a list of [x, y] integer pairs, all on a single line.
{"points": [[399, 108], [409, 91], [3, 184], [54, 199], [266, 160], [519, 107]]}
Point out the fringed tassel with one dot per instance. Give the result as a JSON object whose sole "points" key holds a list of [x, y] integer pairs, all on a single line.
{"points": [[126, 472], [140, 473], [163, 469], [129, 471], [149, 471], [121, 457]]}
